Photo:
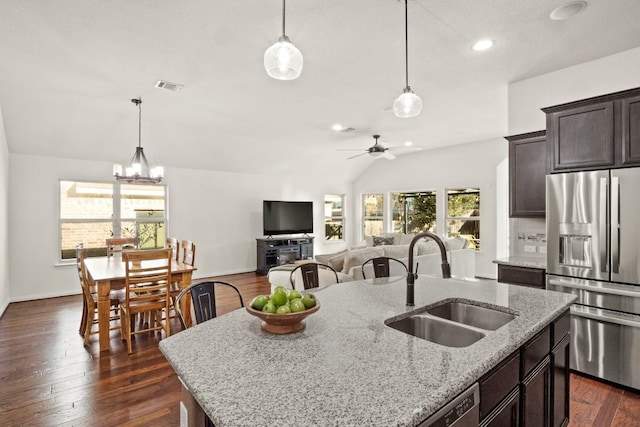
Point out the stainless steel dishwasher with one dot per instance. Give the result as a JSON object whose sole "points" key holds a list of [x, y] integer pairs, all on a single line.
{"points": [[462, 411]]}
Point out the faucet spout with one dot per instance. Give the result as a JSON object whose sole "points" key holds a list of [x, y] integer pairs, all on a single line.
{"points": [[411, 275]]}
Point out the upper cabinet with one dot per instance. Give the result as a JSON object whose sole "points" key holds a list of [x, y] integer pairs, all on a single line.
{"points": [[595, 133], [527, 171]]}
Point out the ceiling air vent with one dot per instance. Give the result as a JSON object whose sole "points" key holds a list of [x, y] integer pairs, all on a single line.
{"points": [[163, 84]]}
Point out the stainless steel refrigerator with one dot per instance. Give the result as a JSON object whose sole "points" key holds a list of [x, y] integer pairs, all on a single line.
{"points": [[593, 251]]}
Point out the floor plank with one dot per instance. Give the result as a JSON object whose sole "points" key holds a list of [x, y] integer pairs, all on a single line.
{"points": [[49, 378]]}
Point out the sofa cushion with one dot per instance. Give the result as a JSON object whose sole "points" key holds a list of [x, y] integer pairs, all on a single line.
{"points": [[456, 243], [335, 260], [427, 247], [382, 241], [359, 256], [405, 239], [397, 251]]}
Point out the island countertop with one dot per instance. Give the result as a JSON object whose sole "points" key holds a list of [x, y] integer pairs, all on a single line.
{"points": [[347, 367]]}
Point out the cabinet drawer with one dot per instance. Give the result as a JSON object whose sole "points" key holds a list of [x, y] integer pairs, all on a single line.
{"points": [[498, 382], [513, 275], [536, 349], [560, 327]]}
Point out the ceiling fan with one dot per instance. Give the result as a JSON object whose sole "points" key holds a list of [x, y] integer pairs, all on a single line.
{"points": [[378, 150]]}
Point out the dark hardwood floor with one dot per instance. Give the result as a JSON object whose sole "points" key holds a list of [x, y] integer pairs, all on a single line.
{"points": [[48, 378]]}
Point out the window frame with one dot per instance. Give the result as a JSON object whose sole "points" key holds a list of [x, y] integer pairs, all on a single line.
{"points": [[333, 218], [412, 194], [115, 221], [364, 218], [475, 243]]}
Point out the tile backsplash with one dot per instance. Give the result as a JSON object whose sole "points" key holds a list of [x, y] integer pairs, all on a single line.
{"points": [[528, 237]]}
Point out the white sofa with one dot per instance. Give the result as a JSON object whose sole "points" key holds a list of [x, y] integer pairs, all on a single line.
{"points": [[427, 259]]}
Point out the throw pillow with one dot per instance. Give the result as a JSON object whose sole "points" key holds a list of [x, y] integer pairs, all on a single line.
{"points": [[427, 247], [368, 241], [325, 258], [397, 251], [405, 239], [337, 262], [456, 243], [359, 256], [382, 241]]}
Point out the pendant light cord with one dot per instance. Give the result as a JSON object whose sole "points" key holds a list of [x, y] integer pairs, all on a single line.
{"points": [[406, 44], [139, 122], [283, 15]]}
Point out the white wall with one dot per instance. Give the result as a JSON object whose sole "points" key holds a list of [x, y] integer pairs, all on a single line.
{"points": [[221, 212], [4, 215], [477, 164], [526, 98]]}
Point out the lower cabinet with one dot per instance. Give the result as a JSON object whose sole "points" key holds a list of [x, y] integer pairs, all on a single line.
{"points": [[530, 387]]}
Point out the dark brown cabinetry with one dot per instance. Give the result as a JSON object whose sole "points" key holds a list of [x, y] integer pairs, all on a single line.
{"points": [[595, 133], [272, 252], [524, 276], [531, 386], [527, 170]]}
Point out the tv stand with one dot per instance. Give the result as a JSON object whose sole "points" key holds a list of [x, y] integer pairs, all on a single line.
{"points": [[272, 252]]}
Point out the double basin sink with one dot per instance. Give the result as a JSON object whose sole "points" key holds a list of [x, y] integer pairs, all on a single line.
{"points": [[452, 324]]}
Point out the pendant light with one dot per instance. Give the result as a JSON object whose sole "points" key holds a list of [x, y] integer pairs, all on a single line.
{"points": [[138, 171], [408, 104], [283, 61]]}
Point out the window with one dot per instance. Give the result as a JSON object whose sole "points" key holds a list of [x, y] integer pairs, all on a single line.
{"points": [[334, 217], [463, 215], [413, 212], [372, 214], [91, 212]]}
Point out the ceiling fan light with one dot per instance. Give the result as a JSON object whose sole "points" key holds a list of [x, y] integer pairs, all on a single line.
{"points": [[283, 61], [408, 104], [376, 154]]}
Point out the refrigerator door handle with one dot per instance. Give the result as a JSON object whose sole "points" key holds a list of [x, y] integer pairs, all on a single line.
{"points": [[602, 245], [606, 316], [626, 292], [615, 224]]}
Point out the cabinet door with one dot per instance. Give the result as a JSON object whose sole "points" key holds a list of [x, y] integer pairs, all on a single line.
{"points": [[527, 171], [535, 396], [582, 137], [560, 383], [507, 414], [631, 130]]}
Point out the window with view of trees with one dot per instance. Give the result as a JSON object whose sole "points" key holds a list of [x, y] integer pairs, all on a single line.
{"points": [[334, 217], [372, 214], [463, 215], [91, 212], [413, 212]]}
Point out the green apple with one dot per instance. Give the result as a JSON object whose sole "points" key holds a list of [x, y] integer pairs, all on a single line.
{"points": [[279, 297], [294, 294], [297, 305], [283, 309], [309, 300], [259, 302], [269, 307]]}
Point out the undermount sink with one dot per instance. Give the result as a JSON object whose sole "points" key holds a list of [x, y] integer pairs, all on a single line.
{"points": [[472, 315], [437, 331]]}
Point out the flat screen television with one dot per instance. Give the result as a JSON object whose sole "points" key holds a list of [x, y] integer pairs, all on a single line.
{"points": [[280, 217]]}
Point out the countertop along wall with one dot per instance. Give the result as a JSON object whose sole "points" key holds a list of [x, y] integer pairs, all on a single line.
{"points": [[4, 222], [526, 98], [220, 211]]}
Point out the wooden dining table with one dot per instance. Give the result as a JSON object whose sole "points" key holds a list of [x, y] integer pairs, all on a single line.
{"points": [[109, 273]]}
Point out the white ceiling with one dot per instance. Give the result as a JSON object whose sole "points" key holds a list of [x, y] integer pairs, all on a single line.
{"points": [[70, 67]]}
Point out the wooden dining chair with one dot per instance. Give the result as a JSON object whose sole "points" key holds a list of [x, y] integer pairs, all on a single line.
{"points": [[381, 266], [189, 252], [174, 245], [310, 274], [147, 281], [203, 300], [89, 299], [119, 244]]}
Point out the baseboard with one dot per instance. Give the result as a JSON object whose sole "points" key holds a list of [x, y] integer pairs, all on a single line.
{"points": [[207, 276], [3, 309], [45, 296]]}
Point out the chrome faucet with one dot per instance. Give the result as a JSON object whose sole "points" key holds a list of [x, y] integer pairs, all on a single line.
{"points": [[411, 276]]}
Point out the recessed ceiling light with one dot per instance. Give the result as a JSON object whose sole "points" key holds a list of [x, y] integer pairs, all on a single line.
{"points": [[568, 10], [408, 143], [337, 127], [482, 45]]}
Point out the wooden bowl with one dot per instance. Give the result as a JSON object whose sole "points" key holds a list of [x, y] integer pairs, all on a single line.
{"points": [[283, 323]]}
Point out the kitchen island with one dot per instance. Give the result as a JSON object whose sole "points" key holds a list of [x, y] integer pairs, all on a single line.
{"points": [[348, 368]]}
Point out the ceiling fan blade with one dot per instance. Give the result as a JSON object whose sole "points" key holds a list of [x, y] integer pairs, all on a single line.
{"points": [[357, 155], [350, 149], [388, 155], [405, 148]]}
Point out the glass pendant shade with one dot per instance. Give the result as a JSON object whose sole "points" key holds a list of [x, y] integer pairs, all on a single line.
{"points": [[408, 104], [282, 60]]}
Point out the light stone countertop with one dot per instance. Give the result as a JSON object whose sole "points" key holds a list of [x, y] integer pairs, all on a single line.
{"points": [[347, 368], [523, 261]]}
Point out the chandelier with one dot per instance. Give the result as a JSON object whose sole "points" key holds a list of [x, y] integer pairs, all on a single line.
{"points": [[138, 171]]}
